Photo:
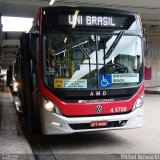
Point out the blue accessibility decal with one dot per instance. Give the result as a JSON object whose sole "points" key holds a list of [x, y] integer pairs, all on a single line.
{"points": [[105, 81]]}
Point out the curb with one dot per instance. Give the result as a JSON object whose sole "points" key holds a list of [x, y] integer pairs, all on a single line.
{"points": [[151, 92]]}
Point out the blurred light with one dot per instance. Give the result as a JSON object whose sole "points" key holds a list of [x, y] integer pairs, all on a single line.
{"points": [[48, 105], [75, 19], [65, 40], [16, 84], [16, 24], [51, 2]]}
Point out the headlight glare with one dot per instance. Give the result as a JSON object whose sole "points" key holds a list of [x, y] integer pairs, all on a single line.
{"points": [[51, 107], [48, 105], [16, 84]]}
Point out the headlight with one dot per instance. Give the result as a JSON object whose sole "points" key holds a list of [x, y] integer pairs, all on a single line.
{"points": [[16, 84], [139, 102], [51, 107]]}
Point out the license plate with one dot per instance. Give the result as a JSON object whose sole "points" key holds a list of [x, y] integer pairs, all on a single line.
{"points": [[98, 124]]}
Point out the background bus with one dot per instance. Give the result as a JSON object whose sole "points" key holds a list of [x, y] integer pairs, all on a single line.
{"points": [[81, 69]]}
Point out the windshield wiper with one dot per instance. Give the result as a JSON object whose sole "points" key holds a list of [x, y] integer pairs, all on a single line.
{"points": [[114, 44], [79, 44]]}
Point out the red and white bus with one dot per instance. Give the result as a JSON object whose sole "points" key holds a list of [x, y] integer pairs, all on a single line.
{"points": [[81, 69]]}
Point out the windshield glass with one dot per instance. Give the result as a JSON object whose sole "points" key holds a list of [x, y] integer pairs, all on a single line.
{"points": [[81, 61]]}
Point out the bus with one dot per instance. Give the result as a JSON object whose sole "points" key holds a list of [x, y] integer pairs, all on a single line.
{"points": [[81, 69]]}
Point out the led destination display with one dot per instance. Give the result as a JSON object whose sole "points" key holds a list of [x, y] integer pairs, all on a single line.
{"points": [[92, 20], [84, 19]]}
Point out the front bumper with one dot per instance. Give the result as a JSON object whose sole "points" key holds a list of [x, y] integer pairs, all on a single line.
{"points": [[56, 124]]}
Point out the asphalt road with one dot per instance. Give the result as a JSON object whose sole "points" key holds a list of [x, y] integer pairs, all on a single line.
{"points": [[95, 145], [83, 146]]}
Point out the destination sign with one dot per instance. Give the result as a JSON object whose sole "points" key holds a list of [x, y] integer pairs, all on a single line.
{"points": [[85, 19], [92, 20]]}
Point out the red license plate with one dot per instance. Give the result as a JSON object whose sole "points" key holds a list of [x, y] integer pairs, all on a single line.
{"points": [[98, 124]]}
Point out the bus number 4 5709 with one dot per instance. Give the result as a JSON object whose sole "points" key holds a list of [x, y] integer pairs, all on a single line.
{"points": [[118, 109]]}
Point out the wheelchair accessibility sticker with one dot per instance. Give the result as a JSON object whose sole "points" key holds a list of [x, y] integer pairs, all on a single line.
{"points": [[105, 81]]}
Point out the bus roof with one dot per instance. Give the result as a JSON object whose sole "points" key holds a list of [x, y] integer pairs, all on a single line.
{"points": [[95, 9]]}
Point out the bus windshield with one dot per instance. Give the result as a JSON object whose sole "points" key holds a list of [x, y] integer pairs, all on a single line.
{"points": [[91, 60]]}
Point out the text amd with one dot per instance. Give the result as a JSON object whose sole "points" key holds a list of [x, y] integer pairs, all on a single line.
{"points": [[92, 20], [98, 93]]}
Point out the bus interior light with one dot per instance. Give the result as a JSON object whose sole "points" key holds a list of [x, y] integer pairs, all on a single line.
{"points": [[74, 23], [65, 40], [51, 2], [139, 102]]}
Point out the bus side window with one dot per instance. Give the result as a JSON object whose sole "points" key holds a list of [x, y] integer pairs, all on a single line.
{"points": [[145, 40], [33, 62]]}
